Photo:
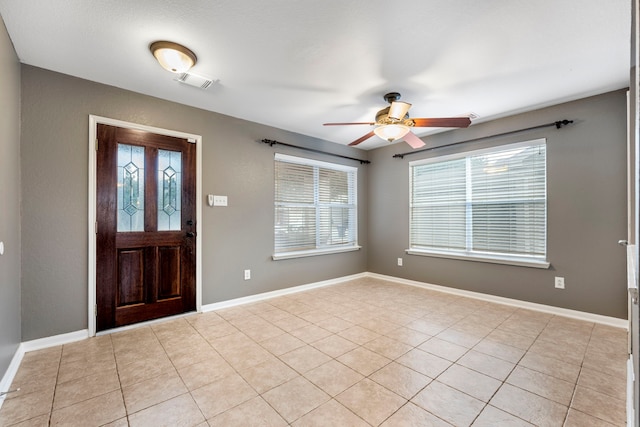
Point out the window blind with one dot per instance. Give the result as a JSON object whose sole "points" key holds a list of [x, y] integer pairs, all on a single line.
{"points": [[491, 202], [315, 205]]}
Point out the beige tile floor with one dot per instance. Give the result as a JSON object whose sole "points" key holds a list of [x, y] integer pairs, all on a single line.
{"points": [[363, 353]]}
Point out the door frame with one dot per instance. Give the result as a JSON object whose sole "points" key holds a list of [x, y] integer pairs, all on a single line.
{"points": [[633, 201], [94, 121]]}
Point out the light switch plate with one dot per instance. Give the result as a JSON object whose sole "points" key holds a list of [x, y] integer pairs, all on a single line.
{"points": [[219, 200]]}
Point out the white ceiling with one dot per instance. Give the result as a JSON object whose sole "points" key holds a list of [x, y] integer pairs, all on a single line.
{"points": [[298, 64]]}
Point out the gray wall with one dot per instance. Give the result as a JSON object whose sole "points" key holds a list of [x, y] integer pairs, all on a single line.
{"points": [[55, 111], [586, 187], [9, 200], [587, 212]]}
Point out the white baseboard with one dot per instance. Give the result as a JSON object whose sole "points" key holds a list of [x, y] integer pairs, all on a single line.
{"points": [[273, 294], [55, 340], [33, 345], [11, 372], [564, 312]]}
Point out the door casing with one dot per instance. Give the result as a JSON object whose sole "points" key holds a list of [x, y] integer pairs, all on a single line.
{"points": [[91, 279]]}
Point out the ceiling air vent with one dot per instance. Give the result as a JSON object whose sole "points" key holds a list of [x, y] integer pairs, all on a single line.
{"points": [[195, 80]]}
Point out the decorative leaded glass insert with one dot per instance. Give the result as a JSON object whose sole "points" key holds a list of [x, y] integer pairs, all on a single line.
{"points": [[169, 189], [130, 188]]}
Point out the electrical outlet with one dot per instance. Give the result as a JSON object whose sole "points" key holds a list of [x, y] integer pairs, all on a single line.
{"points": [[559, 282], [247, 274], [400, 262]]}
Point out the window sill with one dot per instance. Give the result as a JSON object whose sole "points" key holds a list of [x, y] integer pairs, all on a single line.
{"points": [[520, 262], [314, 252]]}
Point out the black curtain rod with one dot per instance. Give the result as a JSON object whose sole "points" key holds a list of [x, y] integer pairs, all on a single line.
{"points": [[559, 124], [271, 142]]}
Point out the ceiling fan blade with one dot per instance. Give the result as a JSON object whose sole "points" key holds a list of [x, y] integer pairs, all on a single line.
{"points": [[443, 122], [413, 140], [346, 124], [362, 138], [398, 110]]}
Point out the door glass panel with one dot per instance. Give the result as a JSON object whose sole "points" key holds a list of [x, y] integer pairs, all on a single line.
{"points": [[169, 189], [130, 188]]}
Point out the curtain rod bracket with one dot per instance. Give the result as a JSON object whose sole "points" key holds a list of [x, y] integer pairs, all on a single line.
{"points": [[272, 142], [561, 123]]}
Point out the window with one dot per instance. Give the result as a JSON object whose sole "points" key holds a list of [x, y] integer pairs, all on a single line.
{"points": [[315, 207], [487, 205]]}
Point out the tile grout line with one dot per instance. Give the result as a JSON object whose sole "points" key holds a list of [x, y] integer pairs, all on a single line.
{"points": [[236, 372], [575, 386], [124, 404], [55, 386], [515, 365], [502, 382], [189, 392], [575, 391], [302, 374], [113, 350]]}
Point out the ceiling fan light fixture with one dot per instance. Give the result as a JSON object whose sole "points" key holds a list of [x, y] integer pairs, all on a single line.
{"points": [[391, 132], [173, 56], [398, 110], [393, 122]]}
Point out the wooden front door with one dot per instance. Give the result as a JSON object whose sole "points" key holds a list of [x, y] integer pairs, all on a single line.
{"points": [[145, 245]]}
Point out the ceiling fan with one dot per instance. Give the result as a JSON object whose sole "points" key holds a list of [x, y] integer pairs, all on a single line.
{"points": [[393, 122]]}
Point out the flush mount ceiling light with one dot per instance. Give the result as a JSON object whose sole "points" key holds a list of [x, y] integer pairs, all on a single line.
{"points": [[173, 56]]}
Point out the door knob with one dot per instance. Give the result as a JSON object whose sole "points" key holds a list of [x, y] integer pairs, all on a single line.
{"points": [[623, 242], [191, 234]]}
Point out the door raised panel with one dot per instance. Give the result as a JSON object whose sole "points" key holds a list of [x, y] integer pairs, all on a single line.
{"points": [[130, 277], [169, 272]]}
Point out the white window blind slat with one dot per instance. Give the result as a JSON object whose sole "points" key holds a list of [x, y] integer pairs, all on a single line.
{"points": [[490, 202]]}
